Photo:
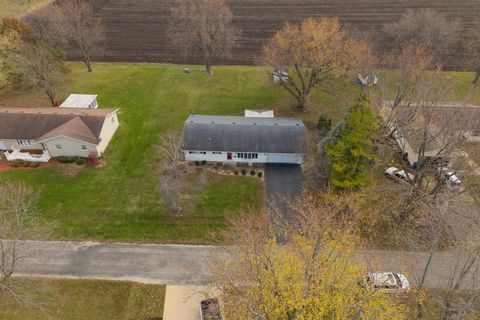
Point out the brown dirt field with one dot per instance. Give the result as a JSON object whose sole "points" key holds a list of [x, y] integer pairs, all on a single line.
{"points": [[137, 29]]}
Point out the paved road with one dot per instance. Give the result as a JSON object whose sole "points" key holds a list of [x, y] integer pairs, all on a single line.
{"points": [[182, 264], [148, 263]]}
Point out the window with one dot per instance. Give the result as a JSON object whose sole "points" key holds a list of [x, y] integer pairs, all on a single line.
{"points": [[84, 147], [216, 152], [245, 155], [58, 147], [197, 152], [113, 119], [25, 142]]}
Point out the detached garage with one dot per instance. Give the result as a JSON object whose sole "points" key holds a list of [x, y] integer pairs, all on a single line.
{"points": [[235, 139]]}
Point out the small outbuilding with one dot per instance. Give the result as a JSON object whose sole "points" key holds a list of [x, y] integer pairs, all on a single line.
{"points": [[236, 139], [259, 113], [81, 101]]}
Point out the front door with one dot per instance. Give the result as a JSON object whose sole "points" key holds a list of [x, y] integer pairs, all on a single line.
{"points": [[229, 156]]}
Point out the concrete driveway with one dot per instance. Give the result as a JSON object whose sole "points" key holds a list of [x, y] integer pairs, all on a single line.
{"points": [[283, 182]]}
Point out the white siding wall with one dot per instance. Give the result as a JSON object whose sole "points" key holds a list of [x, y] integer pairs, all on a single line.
{"points": [[10, 142], [262, 157], [109, 128], [70, 147]]}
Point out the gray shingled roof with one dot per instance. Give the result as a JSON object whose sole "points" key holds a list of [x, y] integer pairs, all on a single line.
{"points": [[36, 123], [241, 134]]}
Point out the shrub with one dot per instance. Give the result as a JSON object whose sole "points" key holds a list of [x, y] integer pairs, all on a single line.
{"points": [[18, 163], [252, 172], [34, 164], [324, 124], [204, 162], [92, 159], [236, 172], [197, 163], [80, 161], [260, 174], [66, 159], [244, 171]]}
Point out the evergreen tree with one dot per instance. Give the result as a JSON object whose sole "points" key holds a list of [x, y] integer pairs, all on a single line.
{"points": [[352, 153]]}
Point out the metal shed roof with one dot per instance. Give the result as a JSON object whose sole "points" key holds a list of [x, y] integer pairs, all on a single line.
{"points": [[244, 134], [78, 101]]}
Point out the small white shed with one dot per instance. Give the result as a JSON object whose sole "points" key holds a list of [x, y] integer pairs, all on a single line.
{"points": [[259, 113], [81, 101]]}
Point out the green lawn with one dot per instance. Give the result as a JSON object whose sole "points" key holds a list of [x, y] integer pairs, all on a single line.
{"points": [[88, 299], [121, 202]]}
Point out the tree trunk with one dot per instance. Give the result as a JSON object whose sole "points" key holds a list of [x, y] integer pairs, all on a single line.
{"points": [[301, 101], [208, 67], [51, 96], [87, 61], [476, 80]]}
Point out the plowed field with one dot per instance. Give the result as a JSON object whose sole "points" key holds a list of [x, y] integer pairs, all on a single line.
{"points": [[137, 29]]}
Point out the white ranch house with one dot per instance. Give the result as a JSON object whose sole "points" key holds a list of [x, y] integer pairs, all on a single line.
{"points": [[235, 139], [36, 134]]}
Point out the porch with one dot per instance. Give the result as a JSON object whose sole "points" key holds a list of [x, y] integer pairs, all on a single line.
{"points": [[17, 154]]}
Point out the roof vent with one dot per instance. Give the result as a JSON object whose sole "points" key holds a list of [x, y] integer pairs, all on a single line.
{"points": [[234, 123], [276, 124], [213, 122]]}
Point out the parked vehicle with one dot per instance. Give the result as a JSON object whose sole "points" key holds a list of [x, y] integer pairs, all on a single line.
{"points": [[448, 176], [387, 281], [395, 173]]}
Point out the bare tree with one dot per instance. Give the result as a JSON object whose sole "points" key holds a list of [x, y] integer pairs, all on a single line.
{"points": [[472, 54], [425, 27], [171, 170], [428, 131], [39, 67], [206, 26], [73, 24], [27, 60], [461, 299], [17, 222], [311, 55]]}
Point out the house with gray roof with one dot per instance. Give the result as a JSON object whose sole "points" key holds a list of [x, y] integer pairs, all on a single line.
{"points": [[56, 131], [236, 139]]}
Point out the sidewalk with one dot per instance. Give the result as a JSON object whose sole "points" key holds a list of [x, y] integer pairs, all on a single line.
{"points": [[183, 302]]}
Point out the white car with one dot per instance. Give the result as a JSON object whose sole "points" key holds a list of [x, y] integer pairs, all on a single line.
{"points": [[387, 281], [449, 177], [396, 173]]}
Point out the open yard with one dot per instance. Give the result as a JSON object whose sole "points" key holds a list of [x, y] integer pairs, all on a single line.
{"points": [[121, 201], [87, 299]]}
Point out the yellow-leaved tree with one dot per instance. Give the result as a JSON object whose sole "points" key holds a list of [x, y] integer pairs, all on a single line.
{"points": [[310, 55], [308, 274]]}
